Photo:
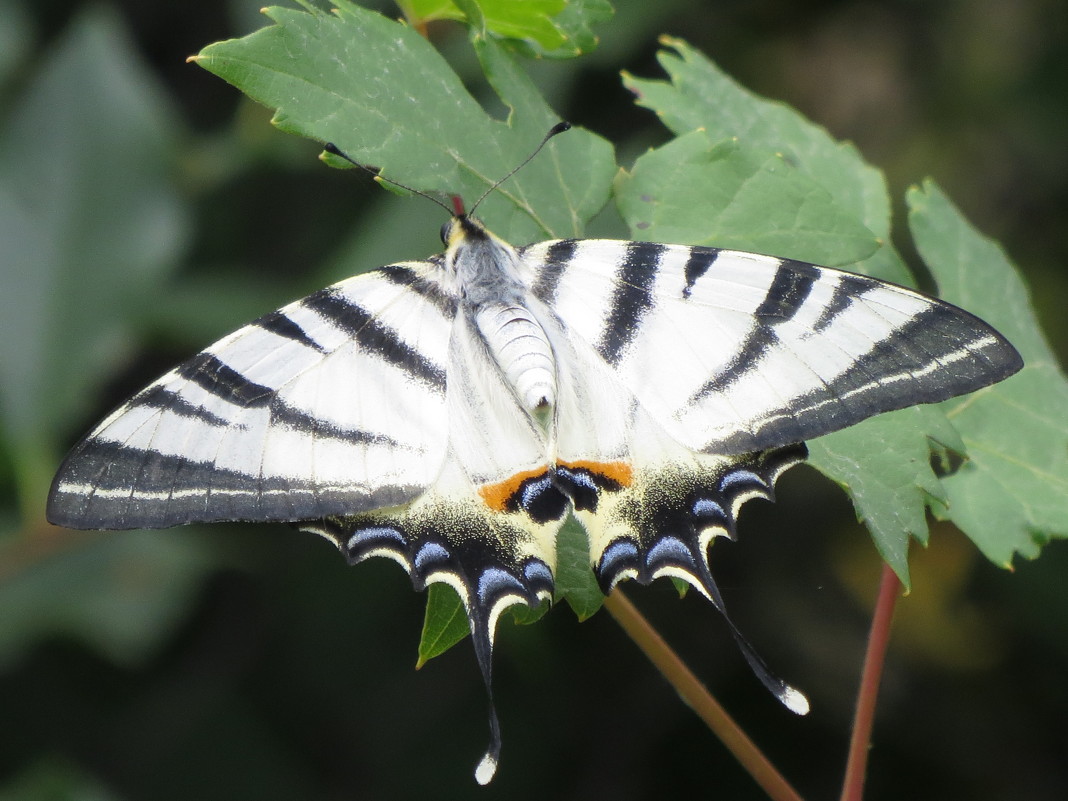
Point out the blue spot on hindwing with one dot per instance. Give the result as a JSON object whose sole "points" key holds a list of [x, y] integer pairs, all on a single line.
{"points": [[537, 572], [705, 509], [430, 553], [617, 556], [741, 478], [670, 550], [372, 536], [495, 582]]}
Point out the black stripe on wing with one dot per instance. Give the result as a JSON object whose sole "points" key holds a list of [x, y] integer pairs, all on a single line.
{"points": [[786, 296], [132, 488], [788, 291], [632, 298], [163, 398], [940, 353], [697, 264], [430, 291], [282, 414], [213, 375], [279, 324], [558, 257], [374, 336]]}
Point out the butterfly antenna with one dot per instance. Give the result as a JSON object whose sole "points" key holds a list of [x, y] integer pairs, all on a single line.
{"points": [[334, 150], [559, 128]]}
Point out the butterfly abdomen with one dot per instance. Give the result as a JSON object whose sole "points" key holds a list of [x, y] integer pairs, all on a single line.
{"points": [[520, 348], [484, 268]]}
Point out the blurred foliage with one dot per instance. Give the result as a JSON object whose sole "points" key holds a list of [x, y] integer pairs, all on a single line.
{"points": [[250, 662]]}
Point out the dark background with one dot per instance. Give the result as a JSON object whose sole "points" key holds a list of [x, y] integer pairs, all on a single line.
{"points": [[250, 662]]}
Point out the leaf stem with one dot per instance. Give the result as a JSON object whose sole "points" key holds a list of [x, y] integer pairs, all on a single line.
{"points": [[696, 695], [867, 695]]}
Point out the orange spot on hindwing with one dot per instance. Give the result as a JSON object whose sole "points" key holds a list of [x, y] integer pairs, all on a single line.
{"points": [[613, 476], [500, 496], [544, 493]]}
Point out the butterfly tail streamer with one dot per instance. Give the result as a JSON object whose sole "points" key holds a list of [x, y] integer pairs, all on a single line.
{"points": [[790, 697], [682, 512], [482, 637]]}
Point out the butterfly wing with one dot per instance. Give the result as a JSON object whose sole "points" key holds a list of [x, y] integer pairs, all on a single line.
{"points": [[735, 352], [335, 403], [693, 376], [487, 526]]}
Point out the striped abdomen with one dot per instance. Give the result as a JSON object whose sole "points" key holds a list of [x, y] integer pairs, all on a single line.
{"points": [[521, 350]]}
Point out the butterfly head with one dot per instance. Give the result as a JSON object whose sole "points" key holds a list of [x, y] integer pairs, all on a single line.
{"points": [[483, 264]]}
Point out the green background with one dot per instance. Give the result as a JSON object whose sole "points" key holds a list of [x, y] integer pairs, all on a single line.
{"points": [[250, 662]]}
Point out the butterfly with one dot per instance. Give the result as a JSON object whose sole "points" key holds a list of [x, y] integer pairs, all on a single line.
{"points": [[450, 414]]}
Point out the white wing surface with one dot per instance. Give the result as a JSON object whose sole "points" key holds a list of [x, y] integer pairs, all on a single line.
{"points": [[735, 352], [334, 404]]}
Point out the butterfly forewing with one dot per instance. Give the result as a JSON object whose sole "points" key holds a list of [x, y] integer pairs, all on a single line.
{"points": [[735, 352], [333, 404]]}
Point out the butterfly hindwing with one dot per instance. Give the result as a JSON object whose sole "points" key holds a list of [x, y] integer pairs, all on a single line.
{"points": [[335, 403]]}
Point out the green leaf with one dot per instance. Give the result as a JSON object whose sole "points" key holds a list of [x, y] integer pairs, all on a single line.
{"points": [[885, 467], [444, 623], [575, 581], [384, 95], [701, 95], [1011, 496], [575, 24], [692, 191], [547, 28], [90, 225]]}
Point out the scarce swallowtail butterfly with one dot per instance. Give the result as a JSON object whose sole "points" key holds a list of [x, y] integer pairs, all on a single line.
{"points": [[451, 413]]}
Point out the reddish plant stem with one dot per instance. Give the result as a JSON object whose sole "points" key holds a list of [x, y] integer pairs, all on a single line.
{"points": [[867, 695], [698, 698]]}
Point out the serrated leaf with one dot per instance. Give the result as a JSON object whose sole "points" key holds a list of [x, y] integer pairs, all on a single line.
{"points": [[701, 96], [1011, 496], [384, 95], [885, 467], [90, 225], [692, 191], [575, 24]]}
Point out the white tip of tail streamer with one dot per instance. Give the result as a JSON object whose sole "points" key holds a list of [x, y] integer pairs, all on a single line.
{"points": [[485, 770], [794, 700]]}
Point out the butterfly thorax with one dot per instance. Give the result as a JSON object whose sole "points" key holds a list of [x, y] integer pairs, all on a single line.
{"points": [[496, 301]]}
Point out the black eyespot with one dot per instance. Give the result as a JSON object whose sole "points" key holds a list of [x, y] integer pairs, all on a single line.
{"points": [[446, 228]]}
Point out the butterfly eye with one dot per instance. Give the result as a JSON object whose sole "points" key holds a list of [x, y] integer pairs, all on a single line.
{"points": [[446, 229]]}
